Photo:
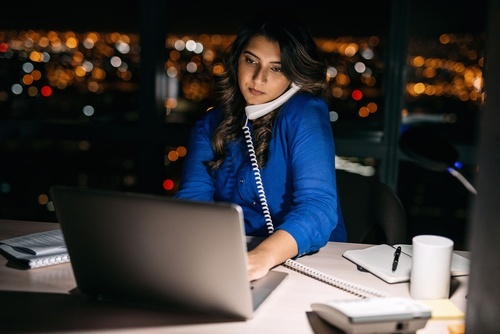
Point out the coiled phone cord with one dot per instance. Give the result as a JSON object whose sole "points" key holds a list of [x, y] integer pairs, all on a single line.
{"points": [[356, 289], [258, 178]]}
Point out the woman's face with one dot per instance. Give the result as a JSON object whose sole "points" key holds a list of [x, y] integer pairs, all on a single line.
{"points": [[259, 71]]}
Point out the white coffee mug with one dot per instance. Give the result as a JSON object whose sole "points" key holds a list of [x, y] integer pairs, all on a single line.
{"points": [[431, 267]]}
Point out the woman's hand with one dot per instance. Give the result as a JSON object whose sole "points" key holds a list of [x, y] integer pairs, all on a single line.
{"points": [[274, 250]]}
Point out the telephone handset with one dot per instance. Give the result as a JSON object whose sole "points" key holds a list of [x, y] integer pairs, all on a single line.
{"points": [[257, 110]]}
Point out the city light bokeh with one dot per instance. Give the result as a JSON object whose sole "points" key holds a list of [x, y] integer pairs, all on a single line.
{"points": [[66, 76], [51, 65]]}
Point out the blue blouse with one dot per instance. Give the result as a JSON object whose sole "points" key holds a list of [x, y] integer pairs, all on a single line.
{"points": [[299, 178]]}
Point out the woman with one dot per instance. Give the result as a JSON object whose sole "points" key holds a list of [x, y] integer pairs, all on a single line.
{"points": [[290, 192]]}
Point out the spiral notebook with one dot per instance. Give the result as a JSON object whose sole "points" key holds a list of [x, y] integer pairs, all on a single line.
{"points": [[378, 261]]}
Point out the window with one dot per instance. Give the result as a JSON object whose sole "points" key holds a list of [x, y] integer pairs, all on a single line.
{"points": [[443, 97], [107, 102]]}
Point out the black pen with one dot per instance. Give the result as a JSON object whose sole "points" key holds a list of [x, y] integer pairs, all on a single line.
{"points": [[397, 253]]}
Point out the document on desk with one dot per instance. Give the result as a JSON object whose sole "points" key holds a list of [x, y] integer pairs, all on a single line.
{"points": [[36, 249], [380, 261]]}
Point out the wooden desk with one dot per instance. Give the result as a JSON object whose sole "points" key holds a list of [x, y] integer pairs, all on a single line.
{"points": [[38, 300]]}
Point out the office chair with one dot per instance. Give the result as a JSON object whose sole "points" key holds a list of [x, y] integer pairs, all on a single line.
{"points": [[372, 211]]}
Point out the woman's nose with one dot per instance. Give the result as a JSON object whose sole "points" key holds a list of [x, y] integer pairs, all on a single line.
{"points": [[260, 76]]}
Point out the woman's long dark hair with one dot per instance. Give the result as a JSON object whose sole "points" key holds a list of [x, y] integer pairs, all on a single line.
{"points": [[300, 63]]}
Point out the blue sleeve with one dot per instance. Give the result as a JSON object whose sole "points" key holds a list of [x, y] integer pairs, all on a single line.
{"points": [[196, 181], [306, 128]]}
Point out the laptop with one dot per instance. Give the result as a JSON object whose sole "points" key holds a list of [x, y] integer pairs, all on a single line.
{"points": [[160, 251]]}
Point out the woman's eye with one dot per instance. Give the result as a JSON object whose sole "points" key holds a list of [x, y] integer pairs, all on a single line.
{"points": [[250, 61], [276, 69]]}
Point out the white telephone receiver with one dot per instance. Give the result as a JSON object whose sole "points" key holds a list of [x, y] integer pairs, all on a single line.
{"points": [[257, 110]]}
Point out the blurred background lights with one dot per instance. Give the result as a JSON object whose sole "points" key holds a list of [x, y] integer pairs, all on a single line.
{"points": [[88, 110], [359, 67], [171, 103], [16, 89], [218, 69], [36, 75], [199, 48], [191, 67], [367, 54], [333, 116], [5, 188], [372, 107], [351, 50], [190, 45], [363, 112], [81, 60], [28, 67], [50, 206], [331, 71], [172, 72], [88, 43], [98, 73], [76, 55], [173, 155], [46, 57], [80, 71], [84, 145], [168, 184], [46, 91], [115, 61], [357, 95], [181, 151], [4, 47], [32, 91], [123, 48], [72, 42], [129, 180], [367, 72], [93, 86], [88, 66], [43, 199], [179, 45], [27, 79]]}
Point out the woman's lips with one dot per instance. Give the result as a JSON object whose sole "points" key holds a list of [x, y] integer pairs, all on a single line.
{"points": [[254, 91]]}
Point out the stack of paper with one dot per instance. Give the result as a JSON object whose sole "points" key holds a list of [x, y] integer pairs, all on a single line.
{"points": [[37, 249]]}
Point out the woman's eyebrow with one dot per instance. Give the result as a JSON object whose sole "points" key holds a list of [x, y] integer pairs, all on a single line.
{"points": [[278, 62], [251, 53]]}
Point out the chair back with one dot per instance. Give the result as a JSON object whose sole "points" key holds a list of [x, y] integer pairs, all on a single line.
{"points": [[372, 211]]}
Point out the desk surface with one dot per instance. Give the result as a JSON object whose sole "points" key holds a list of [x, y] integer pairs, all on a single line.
{"points": [[39, 300]]}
